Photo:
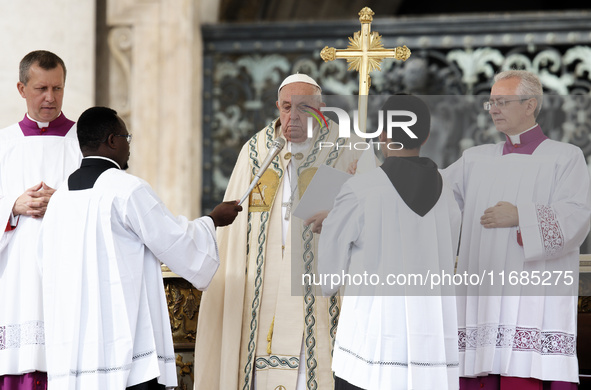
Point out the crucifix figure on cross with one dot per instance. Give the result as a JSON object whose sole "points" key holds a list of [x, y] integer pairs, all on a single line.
{"points": [[365, 54]]}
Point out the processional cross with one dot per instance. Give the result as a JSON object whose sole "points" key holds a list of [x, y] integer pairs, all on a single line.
{"points": [[364, 54]]}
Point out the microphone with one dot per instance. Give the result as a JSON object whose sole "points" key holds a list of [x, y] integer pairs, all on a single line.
{"points": [[278, 144]]}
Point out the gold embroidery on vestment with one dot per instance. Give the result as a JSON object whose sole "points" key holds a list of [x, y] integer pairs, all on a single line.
{"points": [[304, 179], [262, 196]]}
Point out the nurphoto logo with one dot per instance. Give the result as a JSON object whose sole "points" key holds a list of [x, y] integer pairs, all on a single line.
{"points": [[393, 120]]}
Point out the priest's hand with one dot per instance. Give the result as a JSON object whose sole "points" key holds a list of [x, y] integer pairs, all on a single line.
{"points": [[225, 213], [352, 168], [317, 220], [501, 215], [34, 201]]}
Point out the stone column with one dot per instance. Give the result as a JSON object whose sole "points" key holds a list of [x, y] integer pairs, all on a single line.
{"points": [[156, 82]]}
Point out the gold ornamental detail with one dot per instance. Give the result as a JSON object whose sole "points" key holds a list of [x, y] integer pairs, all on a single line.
{"points": [[366, 15], [375, 46], [402, 53], [328, 54], [365, 52]]}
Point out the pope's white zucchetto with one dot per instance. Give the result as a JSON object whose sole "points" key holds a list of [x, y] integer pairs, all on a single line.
{"points": [[298, 78]]}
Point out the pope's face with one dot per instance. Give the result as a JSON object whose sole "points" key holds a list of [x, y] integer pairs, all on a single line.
{"points": [[44, 92], [292, 111], [516, 115]]}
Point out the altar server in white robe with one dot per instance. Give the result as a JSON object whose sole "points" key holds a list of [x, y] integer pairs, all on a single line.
{"points": [[36, 155], [102, 240], [526, 211], [398, 219]]}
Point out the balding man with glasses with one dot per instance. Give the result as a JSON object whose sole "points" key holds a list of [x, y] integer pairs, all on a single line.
{"points": [[526, 212]]}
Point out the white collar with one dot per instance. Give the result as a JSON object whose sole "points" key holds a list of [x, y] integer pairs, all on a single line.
{"points": [[105, 158], [516, 139], [40, 124]]}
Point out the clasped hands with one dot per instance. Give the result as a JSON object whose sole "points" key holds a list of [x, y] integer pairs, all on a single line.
{"points": [[34, 201], [503, 214]]}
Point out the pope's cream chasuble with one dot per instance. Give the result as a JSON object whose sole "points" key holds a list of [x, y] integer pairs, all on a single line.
{"points": [[249, 321]]}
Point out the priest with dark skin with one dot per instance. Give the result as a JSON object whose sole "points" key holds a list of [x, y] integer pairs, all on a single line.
{"points": [[104, 237]]}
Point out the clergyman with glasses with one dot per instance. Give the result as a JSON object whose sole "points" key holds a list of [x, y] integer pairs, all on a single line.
{"points": [[526, 211], [102, 240]]}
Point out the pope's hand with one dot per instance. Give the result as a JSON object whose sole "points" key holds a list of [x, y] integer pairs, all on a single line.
{"points": [[317, 220], [225, 213], [503, 214], [34, 201]]}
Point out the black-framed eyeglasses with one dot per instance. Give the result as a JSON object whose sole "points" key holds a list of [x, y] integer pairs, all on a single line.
{"points": [[501, 103]]}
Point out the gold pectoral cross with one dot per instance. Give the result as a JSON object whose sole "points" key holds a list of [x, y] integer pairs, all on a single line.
{"points": [[364, 54]]}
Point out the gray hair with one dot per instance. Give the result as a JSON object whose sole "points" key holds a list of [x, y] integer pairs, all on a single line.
{"points": [[44, 59], [530, 85]]}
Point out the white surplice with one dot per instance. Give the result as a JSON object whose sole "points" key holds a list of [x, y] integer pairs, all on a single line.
{"points": [[515, 330], [107, 323], [405, 341], [24, 162]]}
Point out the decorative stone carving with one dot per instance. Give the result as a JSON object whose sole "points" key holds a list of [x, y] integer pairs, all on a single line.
{"points": [[155, 83], [446, 61], [120, 42]]}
